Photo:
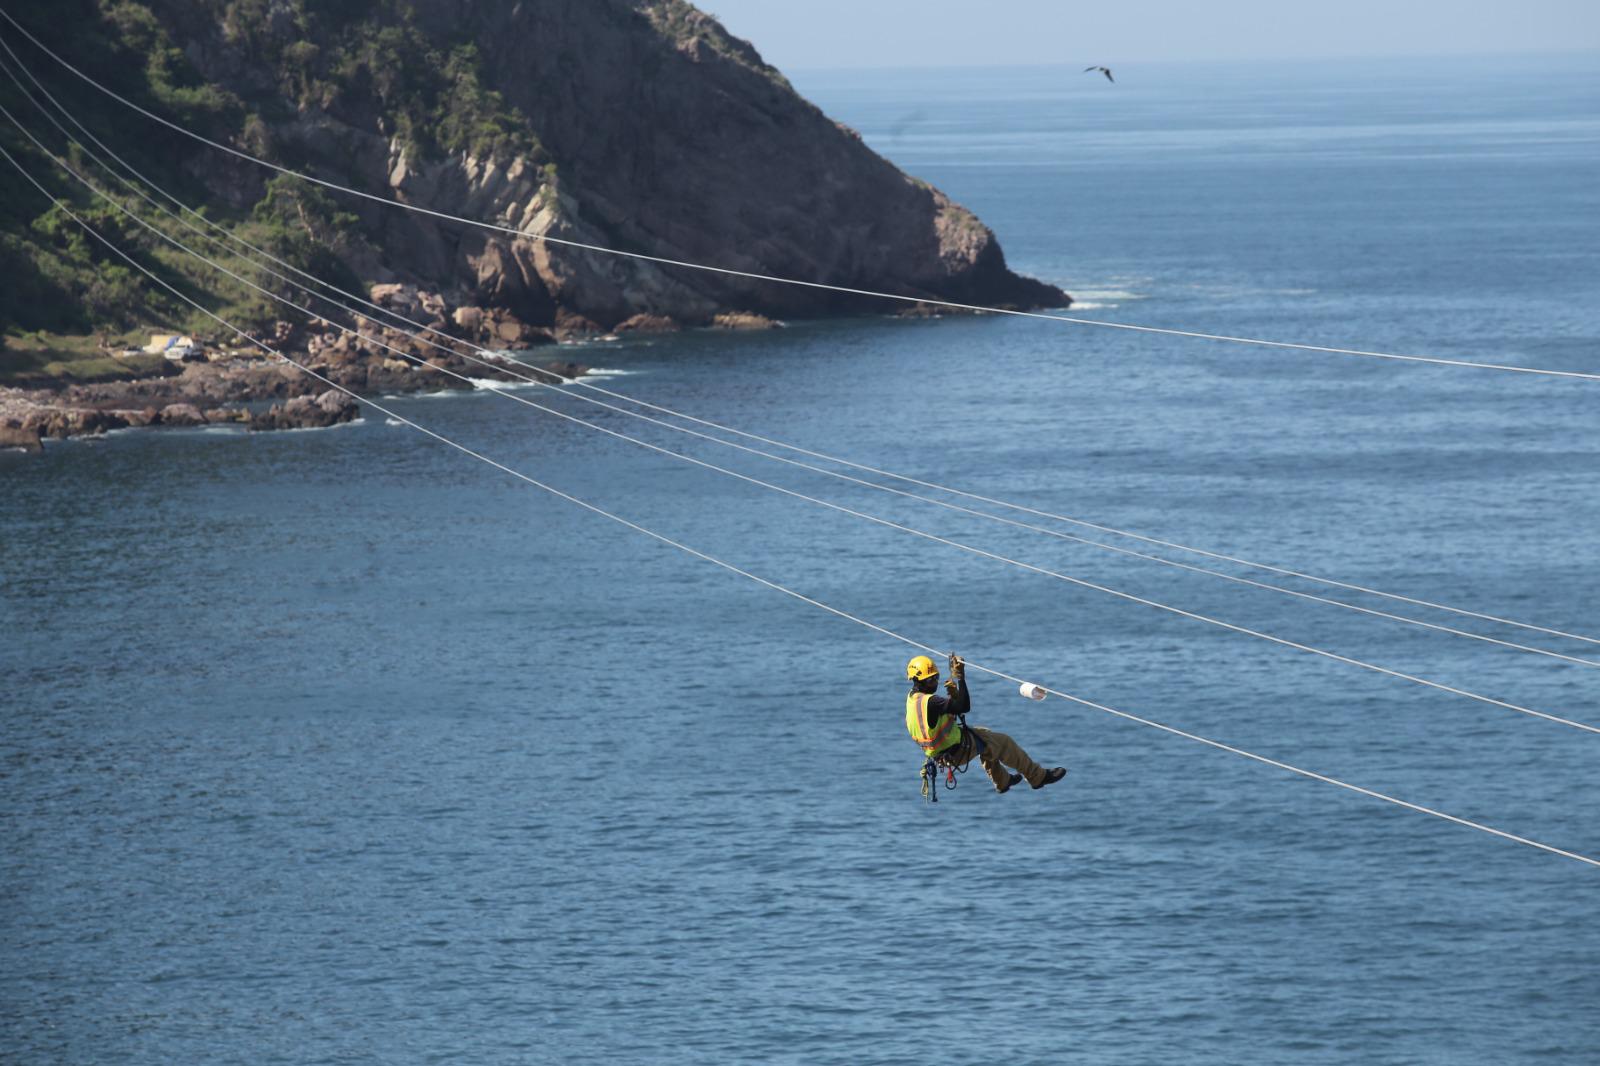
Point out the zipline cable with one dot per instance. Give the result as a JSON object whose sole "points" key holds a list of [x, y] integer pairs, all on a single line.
{"points": [[844, 462], [661, 538], [754, 276], [544, 379], [911, 530]]}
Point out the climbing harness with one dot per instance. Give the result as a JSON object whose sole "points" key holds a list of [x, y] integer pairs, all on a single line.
{"points": [[930, 767], [930, 778]]}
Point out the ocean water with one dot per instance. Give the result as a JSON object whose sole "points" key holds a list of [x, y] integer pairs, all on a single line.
{"points": [[339, 747]]}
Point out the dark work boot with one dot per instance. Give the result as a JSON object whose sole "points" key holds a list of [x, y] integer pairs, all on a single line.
{"points": [[1052, 776], [1016, 779]]}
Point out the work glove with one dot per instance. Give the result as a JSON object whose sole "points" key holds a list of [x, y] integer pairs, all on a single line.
{"points": [[958, 668]]}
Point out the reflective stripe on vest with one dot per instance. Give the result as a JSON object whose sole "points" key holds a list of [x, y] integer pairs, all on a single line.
{"points": [[945, 733]]}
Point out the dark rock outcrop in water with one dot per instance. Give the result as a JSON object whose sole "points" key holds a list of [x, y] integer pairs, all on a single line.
{"points": [[305, 412], [656, 132], [15, 436]]}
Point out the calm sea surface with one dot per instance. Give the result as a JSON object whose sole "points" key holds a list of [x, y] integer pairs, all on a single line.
{"points": [[340, 747]]}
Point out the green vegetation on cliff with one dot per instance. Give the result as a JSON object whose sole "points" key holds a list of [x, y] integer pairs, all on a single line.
{"points": [[353, 59], [373, 68], [682, 22], [40, 359], [673, 137]]}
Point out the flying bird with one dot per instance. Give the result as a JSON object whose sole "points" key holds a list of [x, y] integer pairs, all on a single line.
{"points": [[1104, 70]]}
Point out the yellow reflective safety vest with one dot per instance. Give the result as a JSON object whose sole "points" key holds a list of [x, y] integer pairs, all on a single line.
{"points": [[941, 735]]}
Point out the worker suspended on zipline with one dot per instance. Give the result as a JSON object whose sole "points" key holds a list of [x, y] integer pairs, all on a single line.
{"points": [[939, 726]]}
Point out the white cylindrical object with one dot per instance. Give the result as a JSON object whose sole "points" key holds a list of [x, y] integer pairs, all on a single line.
{"points": [[1032, 692]]}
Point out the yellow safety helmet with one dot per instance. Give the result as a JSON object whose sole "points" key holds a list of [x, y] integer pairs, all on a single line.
{"points": [[921, 668]]}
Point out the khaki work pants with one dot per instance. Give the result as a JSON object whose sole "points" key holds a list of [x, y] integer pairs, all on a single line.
{"points": [[999, 752]]}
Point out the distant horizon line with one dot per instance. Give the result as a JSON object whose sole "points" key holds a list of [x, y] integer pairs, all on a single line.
{"points": [[1283, 60]]}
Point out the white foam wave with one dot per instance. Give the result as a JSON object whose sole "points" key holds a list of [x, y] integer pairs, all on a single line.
{"points": [[232, 430], [358, 420], [494, 385], [591, 374], [1102, 296], [1229, 292]]}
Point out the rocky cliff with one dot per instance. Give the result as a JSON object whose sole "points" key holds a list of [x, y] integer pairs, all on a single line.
{"points": [[632, 124], [669, 136]]}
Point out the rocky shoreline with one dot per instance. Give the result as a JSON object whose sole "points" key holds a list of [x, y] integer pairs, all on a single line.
{"points": [[247, 388], [257, 392]]}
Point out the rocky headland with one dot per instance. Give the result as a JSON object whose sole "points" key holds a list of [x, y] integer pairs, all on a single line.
{"points": [[635, 125]]}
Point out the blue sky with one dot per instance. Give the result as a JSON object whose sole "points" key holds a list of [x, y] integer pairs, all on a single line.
{"points": [[800, 34]]}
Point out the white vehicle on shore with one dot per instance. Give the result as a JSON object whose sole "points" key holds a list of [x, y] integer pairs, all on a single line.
{"points": [[175, 346]]}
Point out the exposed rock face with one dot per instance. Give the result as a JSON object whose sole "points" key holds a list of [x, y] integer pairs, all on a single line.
{"points": [[149, 416], [743, 320], [60, 423], [646, 323], [14, 436], [715, 159], [182, 414], [666, 137]]}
